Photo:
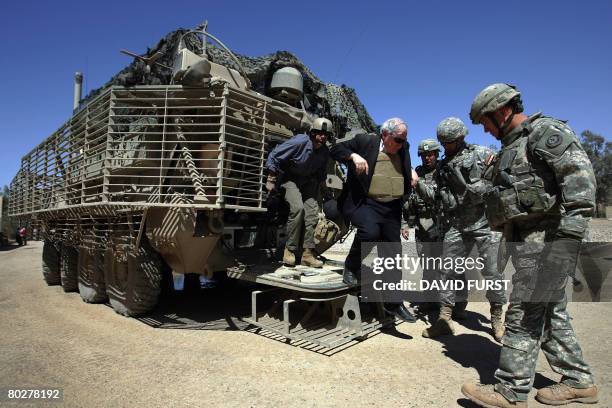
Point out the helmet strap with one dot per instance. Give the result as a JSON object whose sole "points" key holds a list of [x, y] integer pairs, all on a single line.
{"points": [[505, 125], [491, 117], [501, 128]]}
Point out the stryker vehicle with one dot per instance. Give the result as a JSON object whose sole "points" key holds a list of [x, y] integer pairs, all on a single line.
{"points": [[147, 180]]}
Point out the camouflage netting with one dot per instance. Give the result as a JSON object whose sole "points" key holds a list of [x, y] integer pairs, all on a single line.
{"points": [[339, 103]]}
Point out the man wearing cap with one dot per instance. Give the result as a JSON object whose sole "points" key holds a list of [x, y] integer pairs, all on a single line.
{"points": [[379, 177], [299, 167], [543, 196]]}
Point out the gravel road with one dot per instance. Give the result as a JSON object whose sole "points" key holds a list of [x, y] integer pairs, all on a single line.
{"points": [[192, 351]]}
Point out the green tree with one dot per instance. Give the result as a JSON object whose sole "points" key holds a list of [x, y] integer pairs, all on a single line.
{"points": [[5, 200], [4, 220], [600, 153]]}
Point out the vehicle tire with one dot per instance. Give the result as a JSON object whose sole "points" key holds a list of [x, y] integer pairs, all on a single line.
{"points": [[51, 264], [91, 276], [69, 268], [133, 285]]}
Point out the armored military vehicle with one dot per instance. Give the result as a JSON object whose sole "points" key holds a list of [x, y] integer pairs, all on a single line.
{"points": [[145, 179]]}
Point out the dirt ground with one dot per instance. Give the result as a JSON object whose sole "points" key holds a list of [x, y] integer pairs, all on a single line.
{"points": [[192, 351]]}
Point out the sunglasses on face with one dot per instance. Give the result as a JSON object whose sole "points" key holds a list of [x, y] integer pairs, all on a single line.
{"points": [[398, 140]]}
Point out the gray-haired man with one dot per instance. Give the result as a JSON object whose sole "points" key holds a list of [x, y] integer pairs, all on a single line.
{"points": [[379, 177]]}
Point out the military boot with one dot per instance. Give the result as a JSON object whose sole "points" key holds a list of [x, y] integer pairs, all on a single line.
{"points": [[459, 312], [309, 259], [427, 307], [442, 326], [288, 257], [497, 324], [486, 396], [562, 394]]}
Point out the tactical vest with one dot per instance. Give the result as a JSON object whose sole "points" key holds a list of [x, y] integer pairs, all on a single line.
{"points": [[387, 181], [423, 210], [524, 185], [467, 165]]}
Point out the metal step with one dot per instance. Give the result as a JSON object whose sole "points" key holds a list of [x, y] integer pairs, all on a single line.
{"points": [[326, 321]]}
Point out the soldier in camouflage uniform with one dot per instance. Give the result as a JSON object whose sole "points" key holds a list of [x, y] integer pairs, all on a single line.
{"points": [[421, 214], [417, 212], [423, 211], [544, 192], [460, 189]]}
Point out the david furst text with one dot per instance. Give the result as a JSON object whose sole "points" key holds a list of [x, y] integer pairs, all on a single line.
{"points": [[423, 285]]}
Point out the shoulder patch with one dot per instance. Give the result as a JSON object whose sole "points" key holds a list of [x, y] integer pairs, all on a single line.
{"points": [[553, 140], [551, 137]]}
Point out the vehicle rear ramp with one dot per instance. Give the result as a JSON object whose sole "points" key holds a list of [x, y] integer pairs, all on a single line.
{"points": [[309, 307]]}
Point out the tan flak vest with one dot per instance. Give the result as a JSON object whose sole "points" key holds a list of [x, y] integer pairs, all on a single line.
{"points": [[387, 181]]}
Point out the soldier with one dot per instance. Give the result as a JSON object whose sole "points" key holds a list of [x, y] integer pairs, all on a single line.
{"points": [[544, 191], [299, 166], [420, 212], [460, 188]]}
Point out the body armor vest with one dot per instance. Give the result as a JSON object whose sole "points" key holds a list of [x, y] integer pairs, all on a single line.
{"points": [[387, 181], [424, 210], [461, 208], [466, 165], [524, 186]]}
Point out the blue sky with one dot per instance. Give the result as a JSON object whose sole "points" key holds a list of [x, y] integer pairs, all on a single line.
{"points": [[418, 60]]}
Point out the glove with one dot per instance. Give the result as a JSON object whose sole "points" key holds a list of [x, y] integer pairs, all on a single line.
{"points": [[457, 181], [271, 182], [448, 200], [421, 189], [560, 258]]}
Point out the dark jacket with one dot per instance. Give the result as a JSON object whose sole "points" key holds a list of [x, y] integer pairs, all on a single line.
{"points": [[355, 190]]}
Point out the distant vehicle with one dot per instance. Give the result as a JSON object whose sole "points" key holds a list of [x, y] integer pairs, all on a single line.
{"points": [[149, 179]]}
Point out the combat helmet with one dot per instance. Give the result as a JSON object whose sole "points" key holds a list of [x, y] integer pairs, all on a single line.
{"points": [[451, 129], [323, 125], [491, 99], [428, 145]]}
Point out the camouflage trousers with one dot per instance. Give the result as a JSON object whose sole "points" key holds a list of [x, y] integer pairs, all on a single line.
{"points": [[531, 326], [429, 246], [459, 244], [303, 210]]}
